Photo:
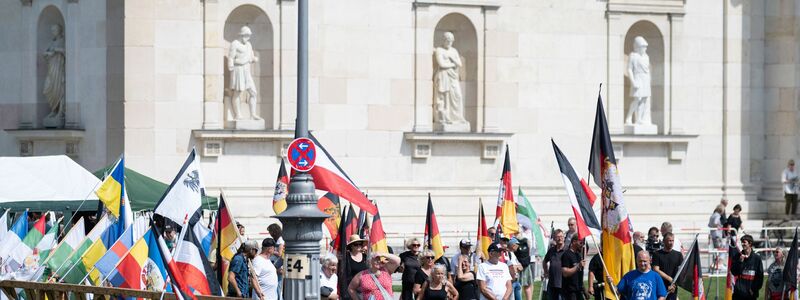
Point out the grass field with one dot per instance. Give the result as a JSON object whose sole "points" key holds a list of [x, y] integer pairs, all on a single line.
{"points": [[714, 287]]}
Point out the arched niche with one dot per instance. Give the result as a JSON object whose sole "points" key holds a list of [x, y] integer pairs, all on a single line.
{"points": [[49, 17], [262, 71], [655, 50], [466, 42]]}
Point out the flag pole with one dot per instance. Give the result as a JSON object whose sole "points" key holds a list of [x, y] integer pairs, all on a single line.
{"points": [[605, 269]]}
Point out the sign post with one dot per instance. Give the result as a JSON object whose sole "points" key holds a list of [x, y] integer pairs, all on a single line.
{"points": [[302, 220]]}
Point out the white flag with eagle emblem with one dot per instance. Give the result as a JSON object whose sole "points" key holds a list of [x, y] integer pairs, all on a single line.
{"points": [[184, 195]]}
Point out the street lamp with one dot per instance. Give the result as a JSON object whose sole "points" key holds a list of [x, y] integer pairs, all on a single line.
{"points": [[302, 220]]}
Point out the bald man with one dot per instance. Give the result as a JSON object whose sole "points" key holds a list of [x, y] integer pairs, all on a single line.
{"points": [[642, 283]]}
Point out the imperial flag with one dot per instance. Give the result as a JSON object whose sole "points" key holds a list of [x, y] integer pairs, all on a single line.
{"points": [[616, 237]]}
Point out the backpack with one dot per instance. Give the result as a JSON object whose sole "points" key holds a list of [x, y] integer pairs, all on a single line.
{"points": [[523, 253]]}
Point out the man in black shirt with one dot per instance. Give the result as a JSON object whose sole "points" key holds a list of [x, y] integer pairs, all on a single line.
{"points": [[596, 275], [572, 265], [666, 263], [552, 266]]}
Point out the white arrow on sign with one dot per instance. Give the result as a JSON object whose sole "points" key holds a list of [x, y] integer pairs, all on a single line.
{"points": [[303, 163], [302, 146]]}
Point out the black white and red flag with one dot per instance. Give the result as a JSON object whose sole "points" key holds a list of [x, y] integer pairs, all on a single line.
{"points": [[578, 197], [328, 176]]}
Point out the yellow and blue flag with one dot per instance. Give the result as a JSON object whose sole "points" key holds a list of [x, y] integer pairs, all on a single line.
{"points": [[112, 191]]}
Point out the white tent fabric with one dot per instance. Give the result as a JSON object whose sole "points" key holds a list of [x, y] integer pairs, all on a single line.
{"points": [[45, 178]]}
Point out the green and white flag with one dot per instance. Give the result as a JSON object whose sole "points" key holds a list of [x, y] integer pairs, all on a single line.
{"points": [[62, 251], [49, 241], [73, 270], [527, 217]]}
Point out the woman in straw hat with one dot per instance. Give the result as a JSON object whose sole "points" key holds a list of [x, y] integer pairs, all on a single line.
{"points": [[356, 259]]}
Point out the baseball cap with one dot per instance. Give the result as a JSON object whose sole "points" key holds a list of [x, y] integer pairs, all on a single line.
{"points": [[513, 241], [494, 247], [465, 243]]}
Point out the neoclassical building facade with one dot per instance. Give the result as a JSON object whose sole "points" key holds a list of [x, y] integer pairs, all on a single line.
{"points": [[152, 78]]}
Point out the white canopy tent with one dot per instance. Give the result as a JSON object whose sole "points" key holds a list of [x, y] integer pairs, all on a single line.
{"points": [[46, 183]]}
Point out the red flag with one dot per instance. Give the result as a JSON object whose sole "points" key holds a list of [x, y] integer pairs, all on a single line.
{"points": [[328, 176], [281, 190], [432, 239], [581, 205], [506, 214]]}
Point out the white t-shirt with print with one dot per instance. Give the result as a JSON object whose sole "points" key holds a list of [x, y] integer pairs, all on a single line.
{"points": [[495, 276]]}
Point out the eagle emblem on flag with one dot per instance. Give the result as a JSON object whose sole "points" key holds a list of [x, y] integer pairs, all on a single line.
{"points": [[193, 181]]}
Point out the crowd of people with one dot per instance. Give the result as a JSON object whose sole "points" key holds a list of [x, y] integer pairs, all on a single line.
{"points": [[509, 270]]}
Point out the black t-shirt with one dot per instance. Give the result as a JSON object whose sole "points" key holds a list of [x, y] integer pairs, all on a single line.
{"points": [[553, 257], [411, 266], [467, 290], [734, 221], [573, 283], [596, 268], [420, 277], [668, 262]]}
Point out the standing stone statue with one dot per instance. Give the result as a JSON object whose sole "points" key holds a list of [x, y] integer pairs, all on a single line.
{"points": [[240, 57], [55, 80], [448, 101], [639, 74]]}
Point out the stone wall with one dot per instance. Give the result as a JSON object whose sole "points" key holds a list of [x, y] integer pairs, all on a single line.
{"points": [[725, 84]]}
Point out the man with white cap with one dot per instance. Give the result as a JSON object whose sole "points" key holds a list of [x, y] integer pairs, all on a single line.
{"points": [[464, 248]]}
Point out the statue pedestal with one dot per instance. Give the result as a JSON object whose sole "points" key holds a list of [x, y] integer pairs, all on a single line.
{"points": [[53, 122], [250, 124], [460, 127], [643, 129]]}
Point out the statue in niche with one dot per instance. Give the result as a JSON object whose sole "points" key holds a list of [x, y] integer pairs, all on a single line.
{"points": [[448, 101], [55, 80], [639, 74], [240, 57]]}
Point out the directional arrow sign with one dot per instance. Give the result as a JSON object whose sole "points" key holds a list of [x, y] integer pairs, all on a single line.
{"points": [[302, 154]]}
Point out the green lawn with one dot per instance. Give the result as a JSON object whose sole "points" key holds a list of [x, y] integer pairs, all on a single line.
{"points": [[710, 284]]}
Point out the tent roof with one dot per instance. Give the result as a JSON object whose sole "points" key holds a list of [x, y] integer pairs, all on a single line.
{"points": [[44, 183], [144, 192]]}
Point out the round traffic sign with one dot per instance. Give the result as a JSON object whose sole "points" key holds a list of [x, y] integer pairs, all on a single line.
{"points": [[302, 154]]}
